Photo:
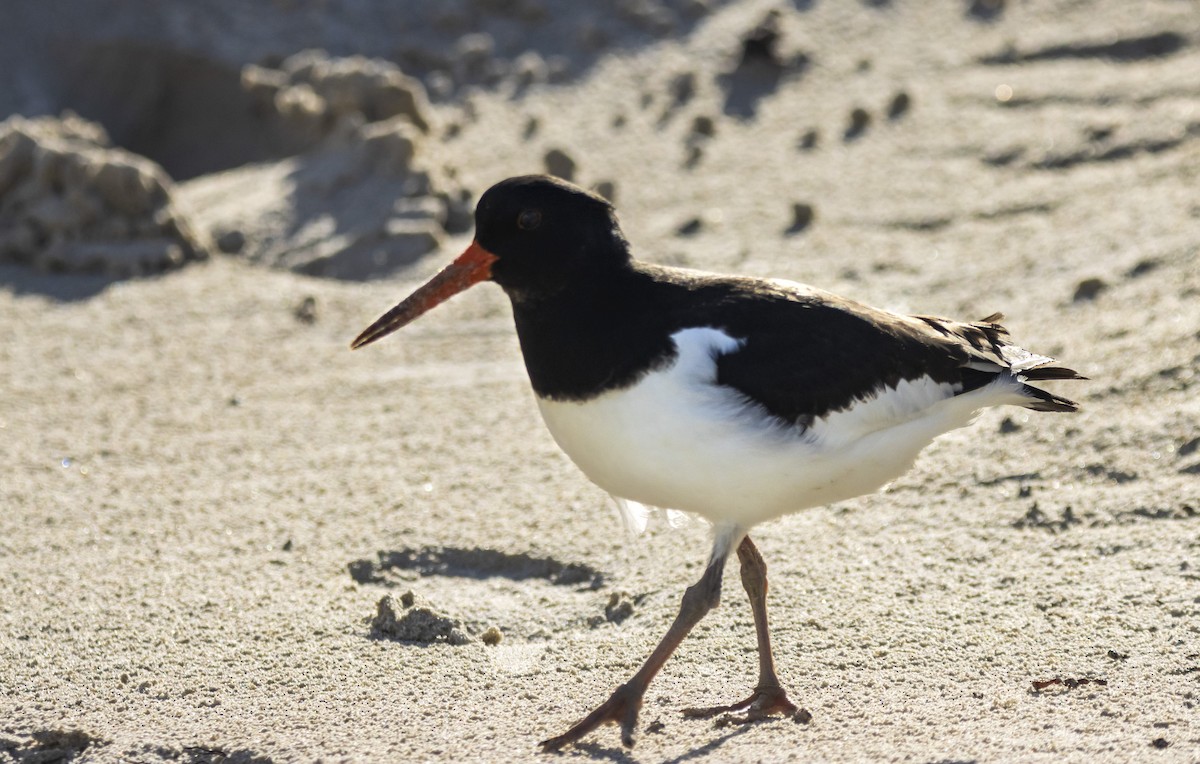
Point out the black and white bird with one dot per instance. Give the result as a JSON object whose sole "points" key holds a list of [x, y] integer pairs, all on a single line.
{"points": [[735, 399]]}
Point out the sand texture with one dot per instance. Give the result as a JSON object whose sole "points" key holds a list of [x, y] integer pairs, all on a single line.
{"points": [[225, 537]]}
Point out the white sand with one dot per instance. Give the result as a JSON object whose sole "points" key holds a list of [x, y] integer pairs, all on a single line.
{"points": [[165, 439]]}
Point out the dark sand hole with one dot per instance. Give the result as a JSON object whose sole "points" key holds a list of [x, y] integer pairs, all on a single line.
{"points": [[474, 563], [760, 69]]}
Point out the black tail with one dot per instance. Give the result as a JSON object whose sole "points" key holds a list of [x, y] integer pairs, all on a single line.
{"points": [[1044, 401], [1039, 373]]}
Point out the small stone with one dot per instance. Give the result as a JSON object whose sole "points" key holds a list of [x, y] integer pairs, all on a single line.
{"points": [[802, 716], [532, 125], [1088, 289], [306, 311], [682, 88], [491, 637], [703, 126], [802, 217], [899, 105], [690, 227], [860, 119], [1008, 426], [1142, 268], [231, 242], [808, 141], [985, 10]]}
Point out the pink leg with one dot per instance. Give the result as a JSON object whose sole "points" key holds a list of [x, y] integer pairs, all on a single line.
{"points": [[623, 705], [768, 697]]}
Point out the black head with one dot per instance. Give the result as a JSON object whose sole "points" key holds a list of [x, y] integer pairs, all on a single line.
{"points": [[534, 236], [546, 233]]}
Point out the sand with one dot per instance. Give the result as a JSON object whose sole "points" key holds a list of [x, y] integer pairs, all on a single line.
{"points": [[212, 512]]}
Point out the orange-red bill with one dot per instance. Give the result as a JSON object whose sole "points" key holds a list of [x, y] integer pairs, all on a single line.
{"points": [[471, 267]]}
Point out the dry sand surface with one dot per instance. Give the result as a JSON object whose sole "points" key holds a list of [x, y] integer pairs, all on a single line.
{"points": [[226, 538]]}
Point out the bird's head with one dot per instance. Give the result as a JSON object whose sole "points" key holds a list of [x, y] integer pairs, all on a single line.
{"points": [[534, 236]]}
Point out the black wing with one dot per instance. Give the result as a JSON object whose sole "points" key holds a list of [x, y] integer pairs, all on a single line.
{"points": [[807, 353]]}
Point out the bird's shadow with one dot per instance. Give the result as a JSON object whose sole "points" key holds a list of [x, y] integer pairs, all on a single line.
{"points": [[597, 751], [711, 745], [622, 756]]}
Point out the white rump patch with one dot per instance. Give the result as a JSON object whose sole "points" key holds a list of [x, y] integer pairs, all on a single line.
{"points": [[891, 406]]}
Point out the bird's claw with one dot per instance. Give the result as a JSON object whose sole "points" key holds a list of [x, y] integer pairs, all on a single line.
{"points": [[621, 708], [762, 703]]}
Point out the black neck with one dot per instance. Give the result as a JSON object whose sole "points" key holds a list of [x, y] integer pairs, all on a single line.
{"points": [[603, 333]]}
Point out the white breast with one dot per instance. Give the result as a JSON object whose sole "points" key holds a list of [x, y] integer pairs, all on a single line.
{"points": [[677, 440]]}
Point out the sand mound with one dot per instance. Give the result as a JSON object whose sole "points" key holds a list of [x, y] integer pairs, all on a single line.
{"points": [[362, 202], [69, 201], [312, 91], [361, 205], [408, 618]]}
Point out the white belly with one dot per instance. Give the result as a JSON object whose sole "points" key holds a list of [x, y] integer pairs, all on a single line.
{"points": [[677, 440]]}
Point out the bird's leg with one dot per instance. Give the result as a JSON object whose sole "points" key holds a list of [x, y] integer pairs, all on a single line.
{"points": [[768, 697], [623, 705]]}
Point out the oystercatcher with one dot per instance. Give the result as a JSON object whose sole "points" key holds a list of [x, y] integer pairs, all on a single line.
{"points": [[735, 399]]}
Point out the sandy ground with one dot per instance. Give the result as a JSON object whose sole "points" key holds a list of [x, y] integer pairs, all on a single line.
{"points": [[205, 494]]}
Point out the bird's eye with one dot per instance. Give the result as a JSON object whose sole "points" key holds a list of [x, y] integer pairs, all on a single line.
{"points": [[529, 220]]}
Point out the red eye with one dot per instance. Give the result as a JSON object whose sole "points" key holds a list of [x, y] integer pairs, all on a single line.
{"points": [[529, 220]]}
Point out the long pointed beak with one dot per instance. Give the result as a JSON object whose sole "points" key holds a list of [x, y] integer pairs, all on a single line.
{"points": [[471, 267]]}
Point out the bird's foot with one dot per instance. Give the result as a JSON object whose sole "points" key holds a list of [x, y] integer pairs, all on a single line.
{"points": [[621, 708], [763, 703]]}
